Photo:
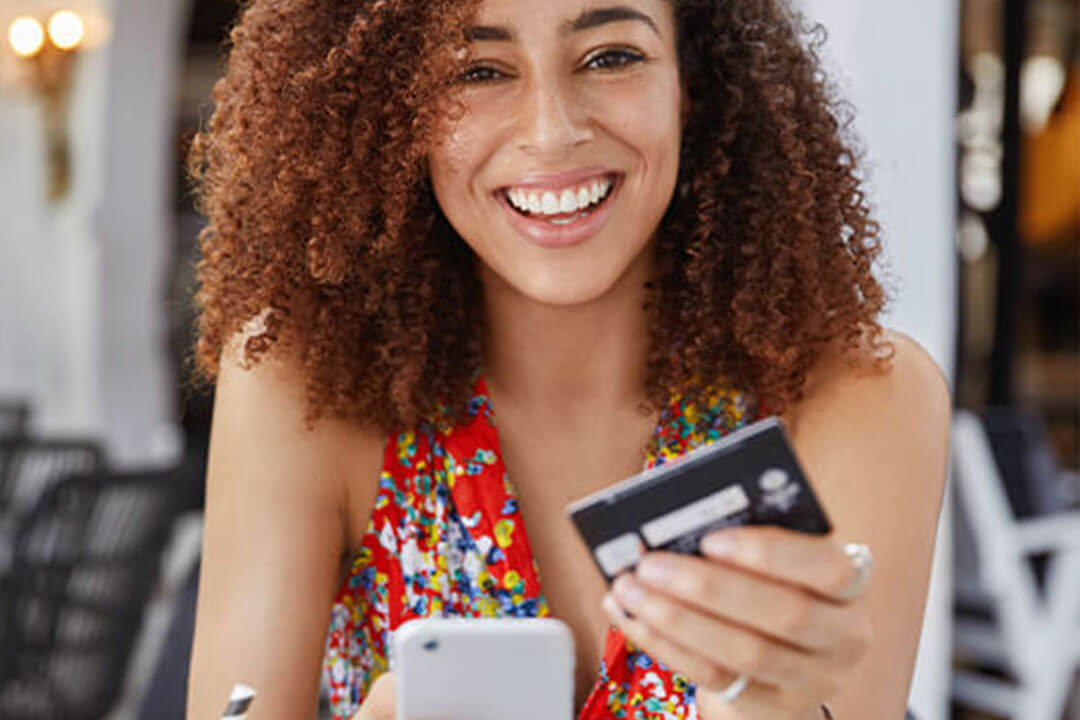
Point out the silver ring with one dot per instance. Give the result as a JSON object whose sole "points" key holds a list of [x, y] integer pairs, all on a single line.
{"points": [[732, 691], [863, 562]]}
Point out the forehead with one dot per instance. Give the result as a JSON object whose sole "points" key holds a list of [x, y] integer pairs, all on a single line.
{"points": [[528, 16]]}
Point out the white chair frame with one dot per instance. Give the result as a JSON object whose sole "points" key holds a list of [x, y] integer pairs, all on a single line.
{"points": [[1035, 637]]}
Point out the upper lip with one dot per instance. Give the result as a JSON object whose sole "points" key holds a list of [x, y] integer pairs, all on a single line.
{"points": [[554, 181]]}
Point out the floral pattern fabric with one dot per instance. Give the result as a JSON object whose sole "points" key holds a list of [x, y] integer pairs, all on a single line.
{"points": [[446, 538]]}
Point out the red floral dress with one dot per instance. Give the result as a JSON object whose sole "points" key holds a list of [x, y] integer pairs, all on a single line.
{"points": [[446, 538]]}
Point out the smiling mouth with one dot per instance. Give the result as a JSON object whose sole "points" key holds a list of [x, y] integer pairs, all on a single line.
{"points": [[561, 207]]}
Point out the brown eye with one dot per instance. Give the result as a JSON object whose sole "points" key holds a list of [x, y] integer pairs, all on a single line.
{"points": [[613, 59], [480, 74]]}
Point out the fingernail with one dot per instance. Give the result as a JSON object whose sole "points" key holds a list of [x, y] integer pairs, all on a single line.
{"points": [[629, 592], [611, 607], [655, 570], [719, 544]]}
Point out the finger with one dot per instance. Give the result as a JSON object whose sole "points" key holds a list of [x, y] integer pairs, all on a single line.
{"points": [[758, 701], [814, 562], [735, 648], [380, 702], [779, 610], [700, 670]]}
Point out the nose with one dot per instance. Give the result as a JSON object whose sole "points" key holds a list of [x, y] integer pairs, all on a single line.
{"points": [[552, 120]]}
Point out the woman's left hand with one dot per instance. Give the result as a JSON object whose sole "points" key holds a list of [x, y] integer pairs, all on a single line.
{"points": [[764, 602]]}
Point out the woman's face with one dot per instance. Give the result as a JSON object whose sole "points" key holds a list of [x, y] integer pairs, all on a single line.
{"points": [[566, 157]]}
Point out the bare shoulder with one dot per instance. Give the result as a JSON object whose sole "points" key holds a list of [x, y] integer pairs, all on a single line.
{"points": [[875, 429], [896, 380], [270, 397]]}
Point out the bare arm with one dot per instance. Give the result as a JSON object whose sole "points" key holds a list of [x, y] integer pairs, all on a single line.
{"points": [[275, 534], [898, 426]]}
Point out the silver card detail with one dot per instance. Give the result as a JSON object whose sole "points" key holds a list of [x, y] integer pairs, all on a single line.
{"points": [[696, 515]]}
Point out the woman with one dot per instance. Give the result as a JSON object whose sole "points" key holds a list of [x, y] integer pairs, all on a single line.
{"points": [[624, 228]]}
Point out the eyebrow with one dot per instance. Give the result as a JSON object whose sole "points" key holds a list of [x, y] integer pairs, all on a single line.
{"points": [[601, 16], [586, 20]]}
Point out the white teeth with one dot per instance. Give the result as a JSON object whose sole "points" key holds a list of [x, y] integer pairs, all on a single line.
{"points": [[551, 204], [583, 197], [518, 199], [566, 201]]}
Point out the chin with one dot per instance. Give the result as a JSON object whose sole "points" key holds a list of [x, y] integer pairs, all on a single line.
{"points": [[561, 286], [563, 295]]}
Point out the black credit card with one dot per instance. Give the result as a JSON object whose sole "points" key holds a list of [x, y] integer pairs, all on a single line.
{"points": [[748, 477]]}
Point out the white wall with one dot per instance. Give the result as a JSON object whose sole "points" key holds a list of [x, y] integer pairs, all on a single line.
{"points": [[894, 61], [82, 326]]}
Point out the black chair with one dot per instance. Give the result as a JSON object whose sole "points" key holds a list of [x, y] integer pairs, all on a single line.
{"points": [[86, 560], [30, 466]]}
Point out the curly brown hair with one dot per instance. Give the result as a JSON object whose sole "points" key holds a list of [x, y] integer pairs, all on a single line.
{"points": [[312, 172]]}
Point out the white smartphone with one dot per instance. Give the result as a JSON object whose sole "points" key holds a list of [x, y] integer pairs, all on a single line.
{"points": [[483, 669]]}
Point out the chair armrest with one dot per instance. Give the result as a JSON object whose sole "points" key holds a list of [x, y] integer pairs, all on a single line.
{"points": [[1050, 533]]}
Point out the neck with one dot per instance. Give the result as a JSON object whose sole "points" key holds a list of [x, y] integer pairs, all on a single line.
{"points": [[559, 360]]}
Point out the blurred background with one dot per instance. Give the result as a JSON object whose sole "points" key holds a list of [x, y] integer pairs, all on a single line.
{"points": [[969, 113]]}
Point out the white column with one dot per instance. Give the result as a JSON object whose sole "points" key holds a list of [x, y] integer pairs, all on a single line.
{"points": [[134, 223]]}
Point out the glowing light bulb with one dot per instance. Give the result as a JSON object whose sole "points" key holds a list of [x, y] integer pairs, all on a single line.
{"points": [[65, 29], [26, 36]]}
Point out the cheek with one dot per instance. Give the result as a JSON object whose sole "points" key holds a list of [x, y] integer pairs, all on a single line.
{"points": [[448, 163], [663, 127], [655, 136], [454, 163], [646, 117]]}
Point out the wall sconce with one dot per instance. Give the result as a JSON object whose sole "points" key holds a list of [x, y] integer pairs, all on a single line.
{"points": [[47, 53]]}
